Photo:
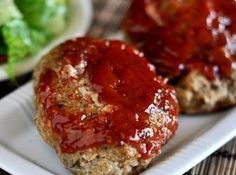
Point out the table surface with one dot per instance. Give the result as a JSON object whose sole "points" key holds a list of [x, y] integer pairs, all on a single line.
{"points": [[107, 20]]}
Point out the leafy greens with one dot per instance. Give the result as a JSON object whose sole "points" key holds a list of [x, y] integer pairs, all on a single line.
{"points": [[21, 41], [44, 14], [27, 25]]}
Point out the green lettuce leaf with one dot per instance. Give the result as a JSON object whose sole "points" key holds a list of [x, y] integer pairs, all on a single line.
{"points": [[3, 50], [49, 15], [20, 41], [27, 25], [8, 11], [3, 47], [58, 17], [35, 12], [38, 39]]}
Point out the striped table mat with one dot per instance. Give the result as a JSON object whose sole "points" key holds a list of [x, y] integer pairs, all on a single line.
{"points": [[107, 19]]}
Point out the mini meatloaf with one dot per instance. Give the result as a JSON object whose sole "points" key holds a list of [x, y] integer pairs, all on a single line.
{"points": [[193, 43], [102, 107]]}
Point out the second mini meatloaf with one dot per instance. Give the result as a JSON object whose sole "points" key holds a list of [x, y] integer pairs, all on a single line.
{"points": [[192, 42]]}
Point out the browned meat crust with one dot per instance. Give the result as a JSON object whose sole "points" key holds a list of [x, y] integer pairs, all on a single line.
{"points": [[104, 160], [197, 94]]}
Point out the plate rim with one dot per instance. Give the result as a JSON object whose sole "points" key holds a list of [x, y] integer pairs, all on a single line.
{"points": [[208, 137]]}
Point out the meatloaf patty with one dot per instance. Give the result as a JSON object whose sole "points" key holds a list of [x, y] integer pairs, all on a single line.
{"points": [[102, 107], [193, 43]]}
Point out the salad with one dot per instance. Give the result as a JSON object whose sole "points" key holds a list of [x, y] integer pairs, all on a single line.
{"points": [[26, 26]]}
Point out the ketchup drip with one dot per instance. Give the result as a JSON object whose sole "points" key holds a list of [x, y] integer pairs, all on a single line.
{"points": [[179, 36], [122, 78]]}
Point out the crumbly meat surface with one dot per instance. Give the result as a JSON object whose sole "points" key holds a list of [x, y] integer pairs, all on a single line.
{"points": [[103, 160], [197, 94]]}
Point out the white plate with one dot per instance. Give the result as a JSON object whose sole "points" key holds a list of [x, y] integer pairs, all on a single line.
{"points": [[80, 17], [23, 152]]}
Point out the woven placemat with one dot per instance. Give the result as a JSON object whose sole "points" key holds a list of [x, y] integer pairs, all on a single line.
{"points": [[107, 19]]}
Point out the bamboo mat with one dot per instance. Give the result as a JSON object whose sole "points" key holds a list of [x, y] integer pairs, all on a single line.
{"points": [[107, 18]]}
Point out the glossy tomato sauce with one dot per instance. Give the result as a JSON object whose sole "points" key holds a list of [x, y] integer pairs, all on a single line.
{"points": [[122, 78], [179, 36]]}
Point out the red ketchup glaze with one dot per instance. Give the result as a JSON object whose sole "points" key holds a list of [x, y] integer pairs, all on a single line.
{"points": [[123, 79], [179, 36]]}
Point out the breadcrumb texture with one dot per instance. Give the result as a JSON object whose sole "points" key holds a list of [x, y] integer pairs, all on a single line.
{"points": [[197, 94], [104, 160]]}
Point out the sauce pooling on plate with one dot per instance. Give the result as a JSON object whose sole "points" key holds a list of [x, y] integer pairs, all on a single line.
{"points": [[143, 111], [185, 35]]}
